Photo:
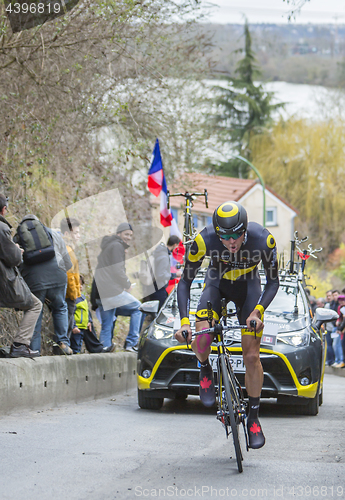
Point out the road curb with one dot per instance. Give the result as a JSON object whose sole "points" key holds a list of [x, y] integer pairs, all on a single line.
{"points": [[53, 380], [340, 372]]}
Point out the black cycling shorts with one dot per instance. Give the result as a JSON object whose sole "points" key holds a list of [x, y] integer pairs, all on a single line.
{"points": [[245, 294]]}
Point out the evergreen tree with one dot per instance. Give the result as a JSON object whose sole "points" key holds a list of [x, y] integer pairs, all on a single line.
{"points": [[244, 109]]}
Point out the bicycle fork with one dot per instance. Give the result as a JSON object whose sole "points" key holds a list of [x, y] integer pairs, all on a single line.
{"points": [[240, 413]]}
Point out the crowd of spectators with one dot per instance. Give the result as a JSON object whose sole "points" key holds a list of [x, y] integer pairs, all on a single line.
{"points": [[40, 266], [334, 331]]}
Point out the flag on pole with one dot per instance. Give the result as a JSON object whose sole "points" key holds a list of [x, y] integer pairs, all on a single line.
{"points": [[174, 230], [157, 184], [156, 174], [166, 215]]}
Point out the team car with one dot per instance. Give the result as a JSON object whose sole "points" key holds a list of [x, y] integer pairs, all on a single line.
{"points": [[292, 350]]}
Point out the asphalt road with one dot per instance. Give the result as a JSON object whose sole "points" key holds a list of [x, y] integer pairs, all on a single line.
{"points": [[109, 449]]}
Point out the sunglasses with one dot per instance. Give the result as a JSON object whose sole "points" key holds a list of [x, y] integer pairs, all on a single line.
{"points": [[234, 236]]}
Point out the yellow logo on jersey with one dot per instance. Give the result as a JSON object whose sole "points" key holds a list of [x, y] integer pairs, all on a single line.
{"points": [[271, 242], [201, 249]]}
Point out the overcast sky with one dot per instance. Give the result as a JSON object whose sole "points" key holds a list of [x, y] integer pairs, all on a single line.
{"points": [[275, 11]]}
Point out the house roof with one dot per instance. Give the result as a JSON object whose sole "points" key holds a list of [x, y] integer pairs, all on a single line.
{"points": [[219, 189]]}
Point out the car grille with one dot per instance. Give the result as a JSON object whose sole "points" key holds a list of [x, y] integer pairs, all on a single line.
{"points": [[275, 366], [186, 377], [178, 367], [181, 368], [162, 373]]}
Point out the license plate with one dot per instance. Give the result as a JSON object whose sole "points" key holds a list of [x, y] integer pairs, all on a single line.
{"points": [[236, 362]]}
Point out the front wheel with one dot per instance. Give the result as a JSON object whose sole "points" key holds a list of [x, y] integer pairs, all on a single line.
{"points": [[312, 406], [147, 403], [230, 405]]}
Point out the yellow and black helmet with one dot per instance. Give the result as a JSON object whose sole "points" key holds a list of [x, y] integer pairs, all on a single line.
{"points": [[229, 219]]}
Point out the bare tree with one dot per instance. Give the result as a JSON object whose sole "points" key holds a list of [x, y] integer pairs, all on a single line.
{"points": [[100, 66]]}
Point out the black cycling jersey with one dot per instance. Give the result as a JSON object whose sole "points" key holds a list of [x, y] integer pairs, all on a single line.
{"points": [[231, 275]]}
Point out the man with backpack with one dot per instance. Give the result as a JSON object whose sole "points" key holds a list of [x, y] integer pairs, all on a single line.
{"points": [[45, 262], [14, 292]]}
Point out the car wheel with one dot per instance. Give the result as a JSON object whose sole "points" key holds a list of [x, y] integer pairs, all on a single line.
{"points": [[321, 397], [311, 408], [149, 403], [181, 396]]}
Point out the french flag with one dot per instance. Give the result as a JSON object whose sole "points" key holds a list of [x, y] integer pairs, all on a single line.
{"points": [[156, 174], [157, 184]]}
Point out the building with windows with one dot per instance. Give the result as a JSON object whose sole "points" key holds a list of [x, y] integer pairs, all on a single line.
{"points": [[280, 214]]}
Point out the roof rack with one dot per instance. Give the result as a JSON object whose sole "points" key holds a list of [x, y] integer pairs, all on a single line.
{"points": [[297, 267]]}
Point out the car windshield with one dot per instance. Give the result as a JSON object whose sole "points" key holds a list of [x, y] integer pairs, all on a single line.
{"points": [[284, 301]]}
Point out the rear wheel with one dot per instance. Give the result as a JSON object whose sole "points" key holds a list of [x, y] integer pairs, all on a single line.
{"points": [[231, 406], [147, 403]]}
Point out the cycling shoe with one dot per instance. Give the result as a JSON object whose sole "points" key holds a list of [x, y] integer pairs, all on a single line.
{"points": [[206, 386], [255, 434]]}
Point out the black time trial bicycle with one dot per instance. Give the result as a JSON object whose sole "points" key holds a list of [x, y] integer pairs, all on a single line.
{"points": [[232, 407], [189, 231]]}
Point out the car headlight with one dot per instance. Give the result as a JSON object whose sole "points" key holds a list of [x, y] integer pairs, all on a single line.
{"points": [[162, 333], [296, 339]]}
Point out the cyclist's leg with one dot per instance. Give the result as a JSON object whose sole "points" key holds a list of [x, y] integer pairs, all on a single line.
{"points": [[254, 372], [250, 344], [201, 343]]}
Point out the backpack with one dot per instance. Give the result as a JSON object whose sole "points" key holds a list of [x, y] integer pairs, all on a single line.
{"points": [[147, 273], [37, 243]]}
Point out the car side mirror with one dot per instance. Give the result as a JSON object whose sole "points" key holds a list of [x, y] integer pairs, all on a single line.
{"points": [[323, 315], [150, 307]]}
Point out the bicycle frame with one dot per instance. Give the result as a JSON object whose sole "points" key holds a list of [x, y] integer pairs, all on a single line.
{"points": [[189, 232], [223, 352], [231, 404]]}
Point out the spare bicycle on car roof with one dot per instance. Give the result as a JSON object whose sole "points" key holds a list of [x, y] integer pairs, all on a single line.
{"points": [[189, 231]]}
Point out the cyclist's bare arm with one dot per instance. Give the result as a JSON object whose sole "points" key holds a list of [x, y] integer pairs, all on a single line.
{"points": [[255, 316], [192, 265], [270, 264]]}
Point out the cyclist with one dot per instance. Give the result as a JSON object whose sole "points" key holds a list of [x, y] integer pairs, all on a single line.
{"points": [[236, 249]]}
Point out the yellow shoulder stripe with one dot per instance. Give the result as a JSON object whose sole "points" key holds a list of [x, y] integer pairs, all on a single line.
{"points": [[236, 273], [201, 249]]}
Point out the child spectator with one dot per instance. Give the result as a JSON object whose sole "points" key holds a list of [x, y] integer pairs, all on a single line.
{"points": [[83, 328]]}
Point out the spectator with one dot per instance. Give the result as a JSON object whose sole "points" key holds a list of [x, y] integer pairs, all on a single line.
{"points": [[48, 280], [337, 339], [71, 234], [330, 359], [320, 302], [111, 287], [14, 292], [83, 328], [312, 301], [162, 271], [341, 329]]}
